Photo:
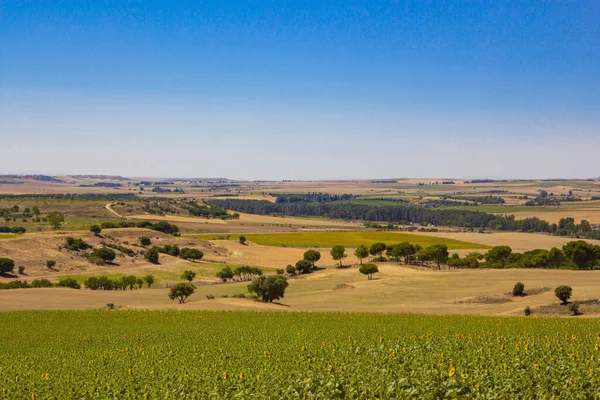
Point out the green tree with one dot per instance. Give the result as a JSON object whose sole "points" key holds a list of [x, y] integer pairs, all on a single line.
{"points": [[369, 270], [583, 254], [129, 281], [361, 252], [225, 273], [556, 258], [290, 269], [377, 249], [498, 254], [95, 229], [242, 239], [181, 292], [152, 255], [312, 256], [563, 293], [68, 283], [394, 251], [269, 288], [519, 289], [189, 253], [50, 264], [106, 254], [438, 253], [303, 266], [338, 253], [55, 220], [406, 250], [145, 241], [6, 265], [149, 279], [188, 275]]}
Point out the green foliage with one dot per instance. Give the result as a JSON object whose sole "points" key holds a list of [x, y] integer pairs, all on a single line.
{"points": [[290, 269], [242, 239], [152, 255], [527, 311], [312, 256], [55, 220], [181, 292], [225, 273], [583, 254], [165, 227], [269, 288], [377, 249], [361, 252], [563, 293], [171, 250], [188, 275], [106, 254], [76, 244], [95, 229], [574, 308], [149, 279], [145, 241], [369, 270], [68, 283], [246, 273], [41, 283], [304, 266], [498, 254], [50, 263], [189, 253], [6, 265], [338, 253], [518, 289]]}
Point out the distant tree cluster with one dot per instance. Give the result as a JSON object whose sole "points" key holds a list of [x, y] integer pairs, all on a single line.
{"points": [[311, 197]]}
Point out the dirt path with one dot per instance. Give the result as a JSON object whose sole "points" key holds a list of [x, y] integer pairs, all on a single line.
{"points": [[109, 208]]}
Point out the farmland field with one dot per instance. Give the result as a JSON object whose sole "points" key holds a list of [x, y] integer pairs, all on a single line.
{"points": [[158, 354], [349, 239]]}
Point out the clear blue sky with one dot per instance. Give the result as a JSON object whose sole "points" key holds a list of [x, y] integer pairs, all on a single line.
{"points": [[301, 89]]}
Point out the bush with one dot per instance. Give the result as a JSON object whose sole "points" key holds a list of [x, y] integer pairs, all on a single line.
{"points": [[50, 263], [210, 296], [165, 227], [225, 273], [76, 244], [519, 289], [290, 269], [181, 292], [563, 293], [574, 308], [41, 283], [110, 306], [107, 255], [369, 270], [152, 255], [145, 241], [280, 271], [527, 311], [68, 283], [188, 253], [95, 229], [304, 266], [149, 279], [96, 260], [21, 270], [242, 239], [18, 229], [239, 296]]}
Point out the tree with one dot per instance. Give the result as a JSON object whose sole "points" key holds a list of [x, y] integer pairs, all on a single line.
{"points": [[394, 251], [290, 269], [95, 229], [152, 255], [6, 265], [543, 194], [129, 281], [225, 273], [369, 270], [338, 253], [377, 249], [563, 293], [242, 239], [269, 288], [188, 275], [189, 253], [583, 254], [181, 292], [406, 250], [438, 253], [106, 254], [361, 252], [149, 279], [556, 258], [139, 282], [68, 283], [498, 254], [312, 256], [303, 266], [55, 220], [50, 264], [145, 241], [519, 289]]}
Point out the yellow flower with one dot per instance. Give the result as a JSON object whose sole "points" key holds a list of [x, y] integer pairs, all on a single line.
{"points": [[573, 337], [129, 371], [572, 356], [241, 375], [485, 372], [505, 368], [596, 347], [591, 371], [571, 381], [536, 366], [258, 378], [452, 371], [224, 375], [329, 368]]}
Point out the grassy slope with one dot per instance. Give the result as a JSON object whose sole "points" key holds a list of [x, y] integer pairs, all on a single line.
{"points": [[348, 239]]}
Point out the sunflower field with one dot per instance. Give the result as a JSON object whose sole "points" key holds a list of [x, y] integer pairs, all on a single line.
{"points": [[269, 355]]}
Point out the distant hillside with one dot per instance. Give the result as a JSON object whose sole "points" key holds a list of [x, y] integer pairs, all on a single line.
{"points": [[101, 177], [43, 178]]}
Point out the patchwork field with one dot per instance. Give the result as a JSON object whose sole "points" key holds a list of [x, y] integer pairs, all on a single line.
{"points": [[348, 239], [278, 355]]}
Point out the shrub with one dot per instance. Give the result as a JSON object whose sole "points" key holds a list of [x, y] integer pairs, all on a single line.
{"points": [[574, 308], [21, 270], [527, 311], [188, 275], [18, 229], [239, 296], [290, 269], [242, 239], [95, 229], [519, 289], [181, 292], [304, 266], [210, 296], [280, 271], [145, 241], [41, 283], [68, 283], [152, 255], [369, 270], [188, 253], [110, 306], [149, 279], [96, 260], [225, 273], [107, 255], [50, 263], [563, 293], [76, 244], [165, 227]]}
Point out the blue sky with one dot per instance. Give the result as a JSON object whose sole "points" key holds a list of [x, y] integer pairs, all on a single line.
{"points": [[301, 89]]}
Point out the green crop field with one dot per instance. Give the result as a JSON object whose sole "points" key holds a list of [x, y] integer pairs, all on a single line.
{"points": [[8, 235], [348, 239], [261, 355]]}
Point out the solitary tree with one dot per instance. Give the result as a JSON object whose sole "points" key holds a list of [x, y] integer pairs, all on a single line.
{"points": [[152, 255], [55, 220], [369, 270], [312, 256], [6, 265], [519, 289], [377, 249], [338, 253], [563, 293], [188, 275], [361, 252], [149, 279], [498, 254], [50, 264], [269, 288], [106, 254], [95, 229], [181, 292]]}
